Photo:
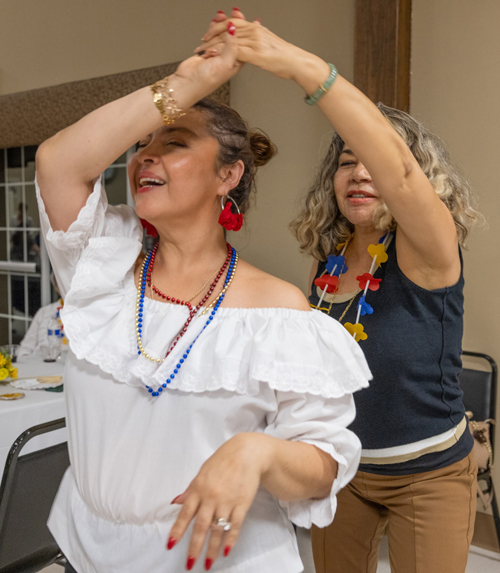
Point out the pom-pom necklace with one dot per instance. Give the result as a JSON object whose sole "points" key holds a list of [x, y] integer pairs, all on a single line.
{"points": [[336, 266]]}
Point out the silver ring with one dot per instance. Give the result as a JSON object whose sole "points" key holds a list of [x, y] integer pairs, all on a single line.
{"points": [[222, 523]]}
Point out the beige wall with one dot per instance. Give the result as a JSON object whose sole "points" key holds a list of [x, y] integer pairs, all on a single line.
{"points": [[455, 91], [49, 42]]}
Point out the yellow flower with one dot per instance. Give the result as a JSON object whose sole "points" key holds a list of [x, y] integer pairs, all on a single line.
{"points": [[13, 373], [2, 360], [3, 373], [379, 252], [356, 329]]}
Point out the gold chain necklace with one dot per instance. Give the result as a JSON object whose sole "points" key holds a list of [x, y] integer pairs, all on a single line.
{"points": [[205, 284], [348, 306], [140, 298]]}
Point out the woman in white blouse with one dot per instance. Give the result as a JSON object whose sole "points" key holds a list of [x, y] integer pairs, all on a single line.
{"points": [[219, 429]]}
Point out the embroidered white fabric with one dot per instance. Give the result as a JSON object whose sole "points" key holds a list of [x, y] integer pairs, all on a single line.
{"points": [[280, 371]]}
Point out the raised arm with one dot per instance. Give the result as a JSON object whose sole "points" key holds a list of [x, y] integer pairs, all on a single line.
{"points": [[69, 162], [426, 226]]}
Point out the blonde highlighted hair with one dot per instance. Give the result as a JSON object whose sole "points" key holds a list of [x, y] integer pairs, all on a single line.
{"points": [[320, 226]]}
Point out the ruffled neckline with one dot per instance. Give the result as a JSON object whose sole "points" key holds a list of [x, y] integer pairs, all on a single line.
{"points": [[288, 349]]}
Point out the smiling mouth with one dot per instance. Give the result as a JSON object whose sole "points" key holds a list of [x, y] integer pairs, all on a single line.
{"points": [[150, 182], [360, 195]]}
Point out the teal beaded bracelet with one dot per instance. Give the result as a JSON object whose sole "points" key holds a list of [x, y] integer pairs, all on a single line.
{"points": [[323, 88]]}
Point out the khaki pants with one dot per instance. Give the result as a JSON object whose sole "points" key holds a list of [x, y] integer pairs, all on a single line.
{"points": [[429, 519]]}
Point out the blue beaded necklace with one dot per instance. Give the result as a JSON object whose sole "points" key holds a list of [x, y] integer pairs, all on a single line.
{"points": [[140, 319]]}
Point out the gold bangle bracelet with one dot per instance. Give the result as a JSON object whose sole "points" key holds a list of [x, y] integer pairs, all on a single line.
{"points": [[164, 101]]}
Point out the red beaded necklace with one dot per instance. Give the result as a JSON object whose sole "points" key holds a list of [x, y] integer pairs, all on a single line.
{"points": [[192, 310]]}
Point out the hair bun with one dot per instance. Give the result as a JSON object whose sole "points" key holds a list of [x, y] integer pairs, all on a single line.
{"points": [[263, 149]]}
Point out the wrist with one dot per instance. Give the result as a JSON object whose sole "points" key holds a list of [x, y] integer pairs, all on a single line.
{"points": [[186, 91], [258, 447], [309, 71]]}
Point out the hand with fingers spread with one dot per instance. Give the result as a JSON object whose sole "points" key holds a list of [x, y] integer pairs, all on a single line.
{"points": [[219, 497]]}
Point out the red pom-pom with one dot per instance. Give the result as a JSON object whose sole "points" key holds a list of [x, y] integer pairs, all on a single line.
{"points": [[150, 229], [364, 278], [229, 220], [329, 282]]}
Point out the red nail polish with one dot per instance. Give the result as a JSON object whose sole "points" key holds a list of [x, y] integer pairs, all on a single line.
{"points": [[231, 28], [227, 550], [171, 543], [237, 9], [190, 563], [220, 11], [208, 564], [214, 19]]}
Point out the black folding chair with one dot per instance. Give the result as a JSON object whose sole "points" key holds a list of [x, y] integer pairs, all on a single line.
{"points": [[28, 488], [480, 395]]}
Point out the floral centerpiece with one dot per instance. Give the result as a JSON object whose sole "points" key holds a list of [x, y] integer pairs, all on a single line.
{"points": [[6, 368]]}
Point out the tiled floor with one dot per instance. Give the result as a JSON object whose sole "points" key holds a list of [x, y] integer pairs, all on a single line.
{"points": [[480, 561]]}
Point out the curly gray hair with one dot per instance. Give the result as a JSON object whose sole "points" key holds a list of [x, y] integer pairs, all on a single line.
{"points": [[320, 225]]}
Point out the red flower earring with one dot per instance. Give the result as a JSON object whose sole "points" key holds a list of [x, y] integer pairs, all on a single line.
{"points": [[229, 220], [150, 229]]}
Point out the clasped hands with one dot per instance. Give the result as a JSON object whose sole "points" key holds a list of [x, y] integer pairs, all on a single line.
{"points": [[231, 42], [252, 42]]}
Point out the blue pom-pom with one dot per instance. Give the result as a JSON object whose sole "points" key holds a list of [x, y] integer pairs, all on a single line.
{"points": [[337, 262], [365, 307]]}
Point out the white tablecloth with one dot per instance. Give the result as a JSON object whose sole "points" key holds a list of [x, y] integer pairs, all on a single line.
{"points": [[37, 407]]}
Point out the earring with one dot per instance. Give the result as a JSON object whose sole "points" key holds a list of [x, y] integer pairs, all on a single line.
{"points": [[229, 220], [150, 229]]}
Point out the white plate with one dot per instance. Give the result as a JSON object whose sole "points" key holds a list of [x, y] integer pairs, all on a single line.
{"points": [[40, 383]]}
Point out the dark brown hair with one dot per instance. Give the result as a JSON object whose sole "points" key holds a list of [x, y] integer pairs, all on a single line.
{"points": [[237, 142]]}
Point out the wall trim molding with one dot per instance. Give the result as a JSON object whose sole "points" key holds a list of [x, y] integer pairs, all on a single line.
{"points": [[28, 118]]}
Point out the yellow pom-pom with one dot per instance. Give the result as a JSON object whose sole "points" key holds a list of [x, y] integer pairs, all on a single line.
{"points": [[3, 373], [356, 330], [379, 252]]}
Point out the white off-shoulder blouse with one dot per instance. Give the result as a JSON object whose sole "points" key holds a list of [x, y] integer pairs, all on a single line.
{"points": [[283, 372]]}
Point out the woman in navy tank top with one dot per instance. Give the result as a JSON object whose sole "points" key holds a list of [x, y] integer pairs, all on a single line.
{"points": [[384, 222]]}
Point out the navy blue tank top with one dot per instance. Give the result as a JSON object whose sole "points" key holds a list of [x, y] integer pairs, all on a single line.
{"points": [[414, 349]]}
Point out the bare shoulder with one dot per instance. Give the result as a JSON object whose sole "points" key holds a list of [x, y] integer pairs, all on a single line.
{"points": [[253, 288]]}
